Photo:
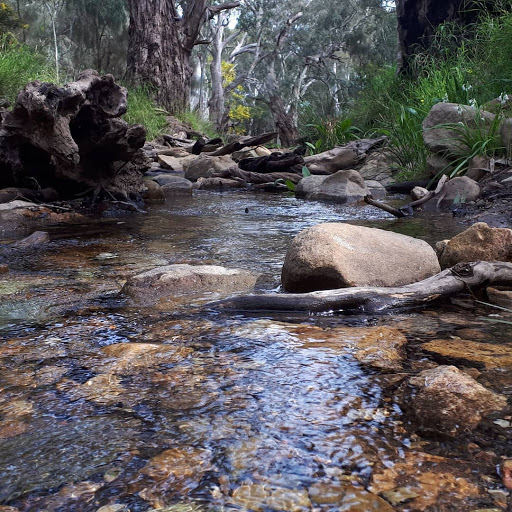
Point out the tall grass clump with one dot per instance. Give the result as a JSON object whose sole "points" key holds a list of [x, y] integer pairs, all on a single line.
{"points": [[19, 65], [143, 110]]}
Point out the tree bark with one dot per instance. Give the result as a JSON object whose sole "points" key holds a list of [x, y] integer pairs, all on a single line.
{"points": [[216, 104], [161, 43], [157, 53], [284, 121], [419, 19], [459, 278]]}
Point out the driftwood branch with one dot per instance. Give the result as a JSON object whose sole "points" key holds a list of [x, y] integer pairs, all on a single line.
{"points": [[454, 280], [257, 177], [407, 210], [245, 142]]}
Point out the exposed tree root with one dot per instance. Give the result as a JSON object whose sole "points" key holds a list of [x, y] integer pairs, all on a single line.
{"points": [[461, 277]]}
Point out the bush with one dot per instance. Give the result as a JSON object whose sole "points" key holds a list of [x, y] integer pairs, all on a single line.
{"points": [[471, 69]]}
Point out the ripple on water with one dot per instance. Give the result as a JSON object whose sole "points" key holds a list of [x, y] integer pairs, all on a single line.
{"points": [[105, 402]]}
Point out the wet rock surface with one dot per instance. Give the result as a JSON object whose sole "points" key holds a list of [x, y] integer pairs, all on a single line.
{"points": [[182, 279], [335, 255], [478, 242], [446, 401]]}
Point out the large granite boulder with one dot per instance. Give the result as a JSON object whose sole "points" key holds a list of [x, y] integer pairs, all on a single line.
{"points": [[378, 166], [182, 279], [338, 255], [447, 401], [442, 139], [204, 166], [345, 187], [457, 191], [478, 242]]}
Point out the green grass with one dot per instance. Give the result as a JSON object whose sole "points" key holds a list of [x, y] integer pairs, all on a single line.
{"points": [[197, 123], [19, 65], [143, 110]]}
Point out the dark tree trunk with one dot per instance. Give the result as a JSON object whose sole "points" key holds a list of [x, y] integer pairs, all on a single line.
{"points": [[161, 43], [418, 21], [284, 121], [158, 53]]}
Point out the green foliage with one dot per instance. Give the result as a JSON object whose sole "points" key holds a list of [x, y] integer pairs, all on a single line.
{"points": [[142, 110], [406, 147], [9, 19], [478, 138], [197, 123], [467, 69], [19, 65], [334, 132]]}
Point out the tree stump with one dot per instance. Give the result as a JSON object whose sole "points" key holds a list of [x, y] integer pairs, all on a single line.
{"points": [[71, 138]]}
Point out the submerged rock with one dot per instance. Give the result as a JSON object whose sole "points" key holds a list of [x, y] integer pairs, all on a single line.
{"points": [[23, 216], [478, 242], [447, 401], [181, 279], [173, 472], [258, 497], [337, 255], [491, 355]]}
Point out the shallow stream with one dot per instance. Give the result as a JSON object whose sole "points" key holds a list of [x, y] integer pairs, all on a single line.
{"points": [[221, 411]]}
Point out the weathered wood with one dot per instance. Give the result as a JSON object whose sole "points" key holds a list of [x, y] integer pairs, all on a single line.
{"points": [[71, 138], [256, 177], [407, 210], [244, 142], [461, 277], [275, 162], [385, 207]]}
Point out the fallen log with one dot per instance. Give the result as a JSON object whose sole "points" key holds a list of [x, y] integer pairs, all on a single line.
{"points": [[463, 276], [276, 162], [256, 177], [244, 142], [408, 209]]}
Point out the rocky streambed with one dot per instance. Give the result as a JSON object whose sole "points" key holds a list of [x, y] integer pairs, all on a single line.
{"points": [[111, 404]]}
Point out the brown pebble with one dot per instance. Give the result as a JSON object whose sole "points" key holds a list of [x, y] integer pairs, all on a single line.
{"points": [[473, 448], [506, 473], [485, 456], [4, 268]]}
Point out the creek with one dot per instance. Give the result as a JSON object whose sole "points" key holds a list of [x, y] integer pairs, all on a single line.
{"points": [[218, 411]]}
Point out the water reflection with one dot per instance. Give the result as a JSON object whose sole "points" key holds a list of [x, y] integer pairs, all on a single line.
{"points": [[106, 403]]}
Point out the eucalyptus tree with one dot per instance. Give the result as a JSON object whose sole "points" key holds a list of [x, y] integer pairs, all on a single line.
{"points": [[162, 37], [98, 30], [299, 44]]}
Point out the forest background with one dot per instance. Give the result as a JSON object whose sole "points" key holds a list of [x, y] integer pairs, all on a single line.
{"points": [[320, 71]]}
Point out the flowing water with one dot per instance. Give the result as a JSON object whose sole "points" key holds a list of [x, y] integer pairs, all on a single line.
{"points": [[178, 407]]}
